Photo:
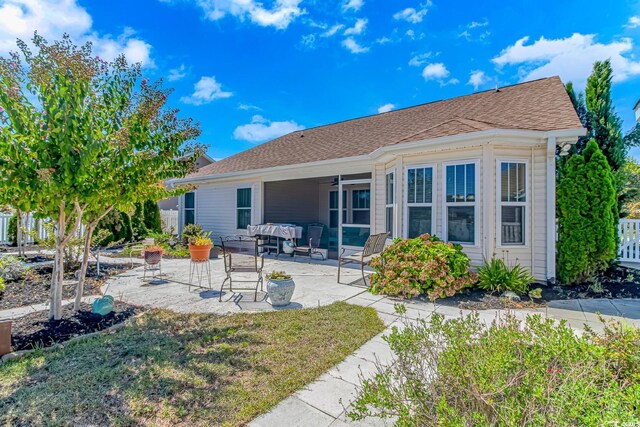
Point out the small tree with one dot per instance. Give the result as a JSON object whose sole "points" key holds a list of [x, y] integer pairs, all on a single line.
{"points": [[137, 222], [152, 216], [586, 202]]}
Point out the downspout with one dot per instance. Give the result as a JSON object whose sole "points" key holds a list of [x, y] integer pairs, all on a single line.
{"points": [[551, 209]]}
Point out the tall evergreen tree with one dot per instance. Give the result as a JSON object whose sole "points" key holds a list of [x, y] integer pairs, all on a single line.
{"points": [[587, 212], [152, 216]]}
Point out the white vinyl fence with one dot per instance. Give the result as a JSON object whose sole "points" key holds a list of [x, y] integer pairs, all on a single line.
{"points": [[29, 224], [169, 220], [629, 240]]}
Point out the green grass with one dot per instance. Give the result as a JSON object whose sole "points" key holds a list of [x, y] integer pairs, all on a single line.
{"points": [[183, 369]]}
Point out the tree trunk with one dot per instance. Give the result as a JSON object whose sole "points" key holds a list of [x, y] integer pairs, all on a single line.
{"points": [[55, 307], [85, 263]]}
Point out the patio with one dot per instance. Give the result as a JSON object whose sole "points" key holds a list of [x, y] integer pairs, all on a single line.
{"points": [[316, 285]]}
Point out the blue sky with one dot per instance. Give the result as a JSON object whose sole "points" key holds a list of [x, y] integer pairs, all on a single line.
{"points": [[250, 71]]}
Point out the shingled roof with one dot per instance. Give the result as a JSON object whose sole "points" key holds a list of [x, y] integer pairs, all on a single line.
{"points": [[541, 105]]}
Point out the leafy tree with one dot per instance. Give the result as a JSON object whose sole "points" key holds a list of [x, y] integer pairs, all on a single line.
{"points": [[587, 208], [81, 136], [152, 216], [630, 175]]}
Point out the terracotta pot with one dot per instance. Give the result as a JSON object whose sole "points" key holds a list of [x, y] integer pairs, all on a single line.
{"points": [[199, 253], [5, 337], [152, 257]]}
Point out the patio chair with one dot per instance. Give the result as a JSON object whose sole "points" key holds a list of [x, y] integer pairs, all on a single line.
{"points": [[314, 234], [240, 255], [372, 248]]}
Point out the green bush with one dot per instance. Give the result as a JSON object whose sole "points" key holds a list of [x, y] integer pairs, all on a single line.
{"points": [[138, 226], [12, 229], [423, 265], [587, 213], [189, 231], [152, 216], [497, 276], [532, 372], [11, 268], [2, 285]]}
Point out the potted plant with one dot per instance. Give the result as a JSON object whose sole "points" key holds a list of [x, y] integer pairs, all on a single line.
{"points": [[280, 287], [152, 254], [200, 247]]}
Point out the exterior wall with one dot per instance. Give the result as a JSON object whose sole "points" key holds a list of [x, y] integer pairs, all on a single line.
{"points": [[486, 155], [216, 207]]}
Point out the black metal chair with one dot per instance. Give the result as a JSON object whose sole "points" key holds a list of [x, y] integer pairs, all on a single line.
{"points": [[241, 255], [314, 236], [372, 248]]}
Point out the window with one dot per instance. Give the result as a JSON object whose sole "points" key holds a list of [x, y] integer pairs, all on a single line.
{"points": [[360, 206], [460, 202], [333, 208], [419, 201], [390, 200], [243, 207], [512, 199], [189, 208]]}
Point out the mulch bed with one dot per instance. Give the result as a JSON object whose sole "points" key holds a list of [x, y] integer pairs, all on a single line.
{"points": [[34, 287], [35, 330], [616, 282]]}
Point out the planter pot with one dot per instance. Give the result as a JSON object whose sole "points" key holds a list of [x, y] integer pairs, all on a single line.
{"points": [[280, 291], [287, 247], [5, 337], [199, 253], [152, 257]]}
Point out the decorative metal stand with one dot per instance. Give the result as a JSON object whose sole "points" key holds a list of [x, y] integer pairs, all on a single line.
{"points": [[199, 270]]}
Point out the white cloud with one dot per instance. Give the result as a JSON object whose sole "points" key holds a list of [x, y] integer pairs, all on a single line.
{"points": [[308, 41], [280, 15], [205, 91], [357, 28], [420, 59], [353, 46], [386, 108], [476, 24], [411, 14], [572, 57], [247, 107], [53, 18], [383, 40], [261, 129], [634, 22], [354, 5], [436, 71], [176, 74], [332, 31], [477, 78]]}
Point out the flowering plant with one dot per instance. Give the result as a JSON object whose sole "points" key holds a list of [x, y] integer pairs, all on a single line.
{"points": [[153, 248], [423, 265]]}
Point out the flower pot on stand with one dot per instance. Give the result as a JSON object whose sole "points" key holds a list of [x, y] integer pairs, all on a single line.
{"points": [[152, 257], [5, 337], [199, 253], [280, 291]]}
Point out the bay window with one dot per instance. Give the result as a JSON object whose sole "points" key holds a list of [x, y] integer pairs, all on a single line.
{"points": [[512, 200], [419, 210], [460, 203]]}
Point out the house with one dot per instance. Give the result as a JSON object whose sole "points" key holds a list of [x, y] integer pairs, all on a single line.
{"points": [[478, 170], [636, 110]]}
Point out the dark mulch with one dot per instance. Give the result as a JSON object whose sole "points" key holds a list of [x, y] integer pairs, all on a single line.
{"points": [[616, 282], [35, 330], [34, 287]]}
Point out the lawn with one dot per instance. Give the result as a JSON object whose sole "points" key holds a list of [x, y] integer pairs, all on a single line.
{"points": [[183, 369]]}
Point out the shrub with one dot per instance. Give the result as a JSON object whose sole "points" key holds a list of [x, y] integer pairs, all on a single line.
{"points": [[423, 265], [278, 275], [12, 229], [2, 285], [189, 231], [137, 223], [11, 268], [152, 218], [587, 213], [497, 276], [512, 372]]}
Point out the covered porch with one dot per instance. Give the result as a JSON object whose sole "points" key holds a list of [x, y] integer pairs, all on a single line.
{"points": [[346, 221]]}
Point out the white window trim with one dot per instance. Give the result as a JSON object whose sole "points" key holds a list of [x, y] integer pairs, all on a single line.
{"points": [[244, 187], [432, 205], [393, 205], [500, 203], [476, 204], [337, 209]]}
